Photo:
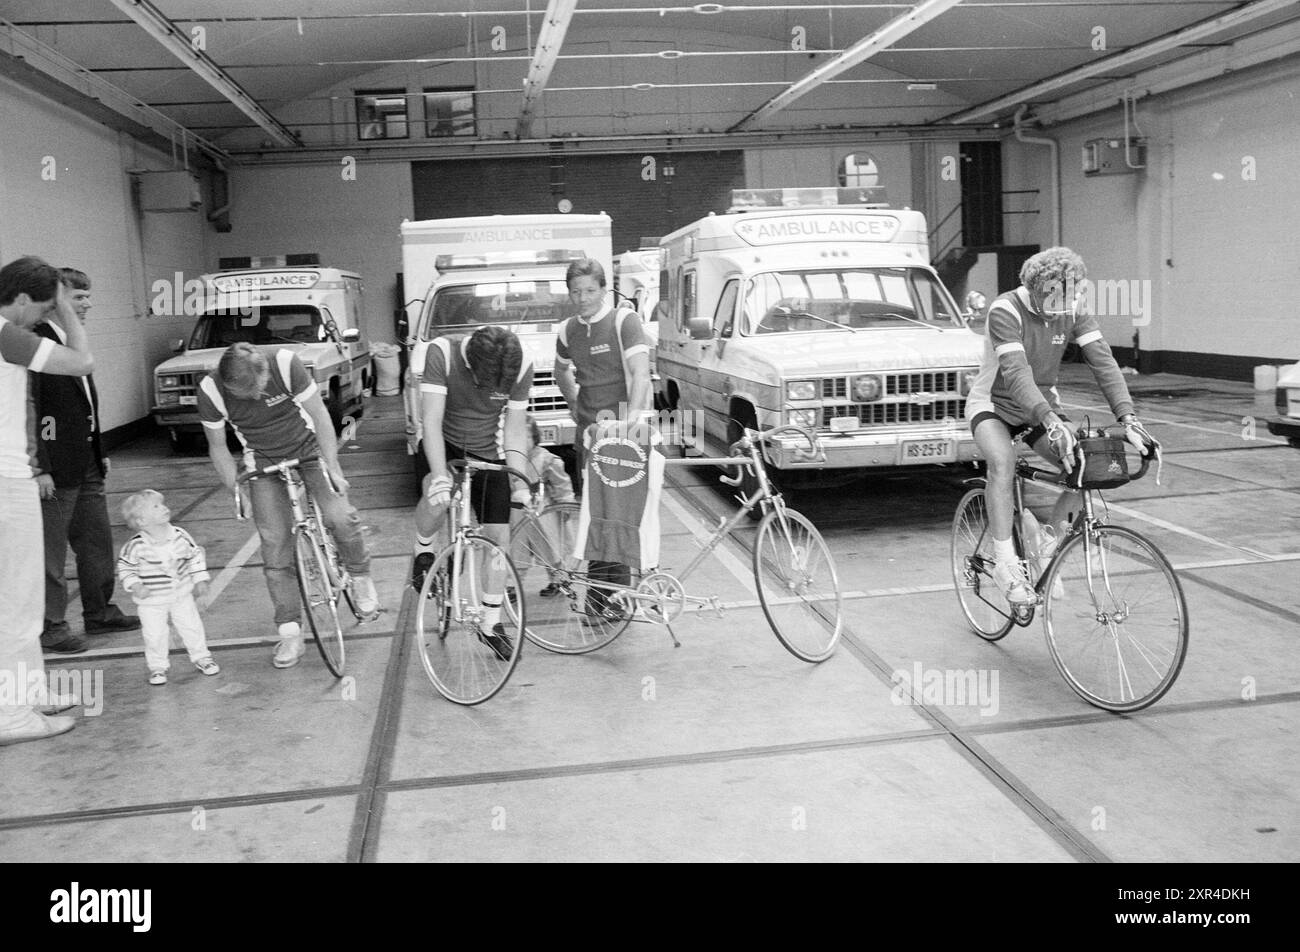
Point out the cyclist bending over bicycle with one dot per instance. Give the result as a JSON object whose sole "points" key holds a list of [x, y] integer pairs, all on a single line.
{"points": [[1015, 393], [468, 382], [276, 410]]}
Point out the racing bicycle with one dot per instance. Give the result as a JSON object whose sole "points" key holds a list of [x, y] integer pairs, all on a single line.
{"points": [[1112, 606], [794, 571]]}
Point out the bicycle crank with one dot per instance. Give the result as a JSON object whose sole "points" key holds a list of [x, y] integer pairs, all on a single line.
{"points": [[662, 597]]}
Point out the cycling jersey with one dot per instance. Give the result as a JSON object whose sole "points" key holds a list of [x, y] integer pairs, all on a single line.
{"points": [[1022, 359], [599, 350], [619, 522], [471, 416]]}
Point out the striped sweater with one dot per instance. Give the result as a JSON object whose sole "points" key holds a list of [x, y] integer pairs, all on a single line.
{"points": [[169, 569]]}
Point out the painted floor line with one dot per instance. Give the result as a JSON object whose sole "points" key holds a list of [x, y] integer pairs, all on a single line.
{"points": [[1189, 426], [702, 534], [1189, 533], [232, 567]]}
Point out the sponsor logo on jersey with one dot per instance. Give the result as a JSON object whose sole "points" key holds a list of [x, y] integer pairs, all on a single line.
{"points": [[600, 349]]}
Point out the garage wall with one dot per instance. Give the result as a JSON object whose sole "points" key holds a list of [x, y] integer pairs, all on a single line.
{"points": [[348, 212], [1205, 235], [66, 197]]}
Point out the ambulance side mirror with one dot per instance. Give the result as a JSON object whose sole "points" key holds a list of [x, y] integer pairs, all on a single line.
{"points": [[974, 313], [351, 335], [178, 345], [701, 328]]}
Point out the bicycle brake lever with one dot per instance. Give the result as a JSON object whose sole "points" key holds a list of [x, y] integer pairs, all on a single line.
{"points": [[729, 480]]}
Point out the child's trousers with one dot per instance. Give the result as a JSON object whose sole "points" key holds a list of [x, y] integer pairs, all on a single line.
{"points": [[184, 614]]}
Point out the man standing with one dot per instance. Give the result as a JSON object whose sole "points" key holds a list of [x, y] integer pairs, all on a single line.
{"points": [[30, 292], [71, 468], [276, 411], [602, 366]]}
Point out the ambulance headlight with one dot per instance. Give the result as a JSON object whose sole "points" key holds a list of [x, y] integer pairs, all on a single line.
{"points": [[804, 418], [866, 388], [169, 381], [801, 390]]}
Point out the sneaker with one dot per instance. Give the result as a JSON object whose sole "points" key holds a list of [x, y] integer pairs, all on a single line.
{"points": [[31, 724], [550, 591], [290, 649], [208, 666], [118, 623], [1012, 579], [364, 595], [498, 641], [423, 562], [157, 678]]}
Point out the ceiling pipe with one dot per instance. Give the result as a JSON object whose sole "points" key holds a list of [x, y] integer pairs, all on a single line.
{"points": [[1117, 64], [859, 52], [152, 21], [549, 40], [1056, 171]]}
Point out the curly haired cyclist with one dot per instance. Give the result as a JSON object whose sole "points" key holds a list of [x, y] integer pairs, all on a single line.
{"points": [[1015, 391]]}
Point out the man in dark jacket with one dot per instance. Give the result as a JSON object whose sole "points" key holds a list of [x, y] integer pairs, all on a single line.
{"points": [[70, 477]]}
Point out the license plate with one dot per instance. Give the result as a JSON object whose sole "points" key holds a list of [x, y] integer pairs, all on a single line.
{"points": [[189, 401], [929, 451], [548, 434], [844, 424]]}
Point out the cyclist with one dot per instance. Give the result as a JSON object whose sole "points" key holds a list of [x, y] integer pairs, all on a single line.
{"points": [[1015, 393], [470, 383], [277, 413]]}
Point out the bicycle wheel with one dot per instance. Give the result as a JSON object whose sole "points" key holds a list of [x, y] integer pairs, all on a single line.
{"points": [[467, 662], [578, 614], [320, 597], [984, 604], [797, 585], [1117, 622]]}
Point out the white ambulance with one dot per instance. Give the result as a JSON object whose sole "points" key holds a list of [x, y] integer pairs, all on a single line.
{"points": [[636, 281], [315, 312], [816, 307], [497, 269]]}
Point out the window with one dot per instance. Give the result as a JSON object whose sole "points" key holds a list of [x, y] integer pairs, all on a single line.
{"points": [[381, 114], [858, 298], [688, 298], [858, 170], [448, 112], [267, 324], [726, 313]]}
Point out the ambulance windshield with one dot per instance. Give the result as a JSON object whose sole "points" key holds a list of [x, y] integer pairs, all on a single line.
{"points": [[786, 302], [498, 302], [259, 324]]}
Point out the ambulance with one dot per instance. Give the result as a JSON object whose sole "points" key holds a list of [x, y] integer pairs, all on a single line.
{"points": [[497, 269], [1287, 397], [816, 307], [636, 285], [314, 311]]}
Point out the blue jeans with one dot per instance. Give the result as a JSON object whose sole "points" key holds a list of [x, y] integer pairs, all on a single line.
{"points": [[20, 580], [274, 518]]}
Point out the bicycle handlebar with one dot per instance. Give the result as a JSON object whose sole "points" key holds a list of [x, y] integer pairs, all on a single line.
{"points": [[459, 465], [815, 453], [1029, 471]]}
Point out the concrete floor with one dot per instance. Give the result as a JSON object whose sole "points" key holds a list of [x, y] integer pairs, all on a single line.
{"points": [[727, 748]]}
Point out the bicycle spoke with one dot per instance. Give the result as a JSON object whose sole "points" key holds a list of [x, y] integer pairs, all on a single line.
{"points": [[985, 606], [797, 585], [320, 599]]}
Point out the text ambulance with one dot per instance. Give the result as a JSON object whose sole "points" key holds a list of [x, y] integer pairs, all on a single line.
{"points": [[797, 308], [315, 312], [497, 269]]}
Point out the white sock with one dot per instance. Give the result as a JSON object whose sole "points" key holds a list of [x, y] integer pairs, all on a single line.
{"points": [[491, 610], [424, 543], [290, 629], [1004, 551]]}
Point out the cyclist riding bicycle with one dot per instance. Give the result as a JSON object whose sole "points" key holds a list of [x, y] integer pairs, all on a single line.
{"points": [[470, 382], [1015, 393]]}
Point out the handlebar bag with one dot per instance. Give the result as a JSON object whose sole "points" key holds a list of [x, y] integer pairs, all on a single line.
{"points": [[1103, 466]]}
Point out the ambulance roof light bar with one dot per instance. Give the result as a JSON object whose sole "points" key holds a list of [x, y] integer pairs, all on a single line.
{"points": [[755, 199], [311, 260], [503, 259]]}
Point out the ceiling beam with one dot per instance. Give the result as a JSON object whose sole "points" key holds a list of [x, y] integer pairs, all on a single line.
{"points": [[175, 42], [1119, 62], [549, 40], [859, 52]]}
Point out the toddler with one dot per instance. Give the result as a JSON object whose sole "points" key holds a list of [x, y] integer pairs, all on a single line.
{"points": [[549, 468], [163, 569]]}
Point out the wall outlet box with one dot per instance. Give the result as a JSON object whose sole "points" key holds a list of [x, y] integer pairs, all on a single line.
{"points": [[1107, 156], [169, 191]]}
